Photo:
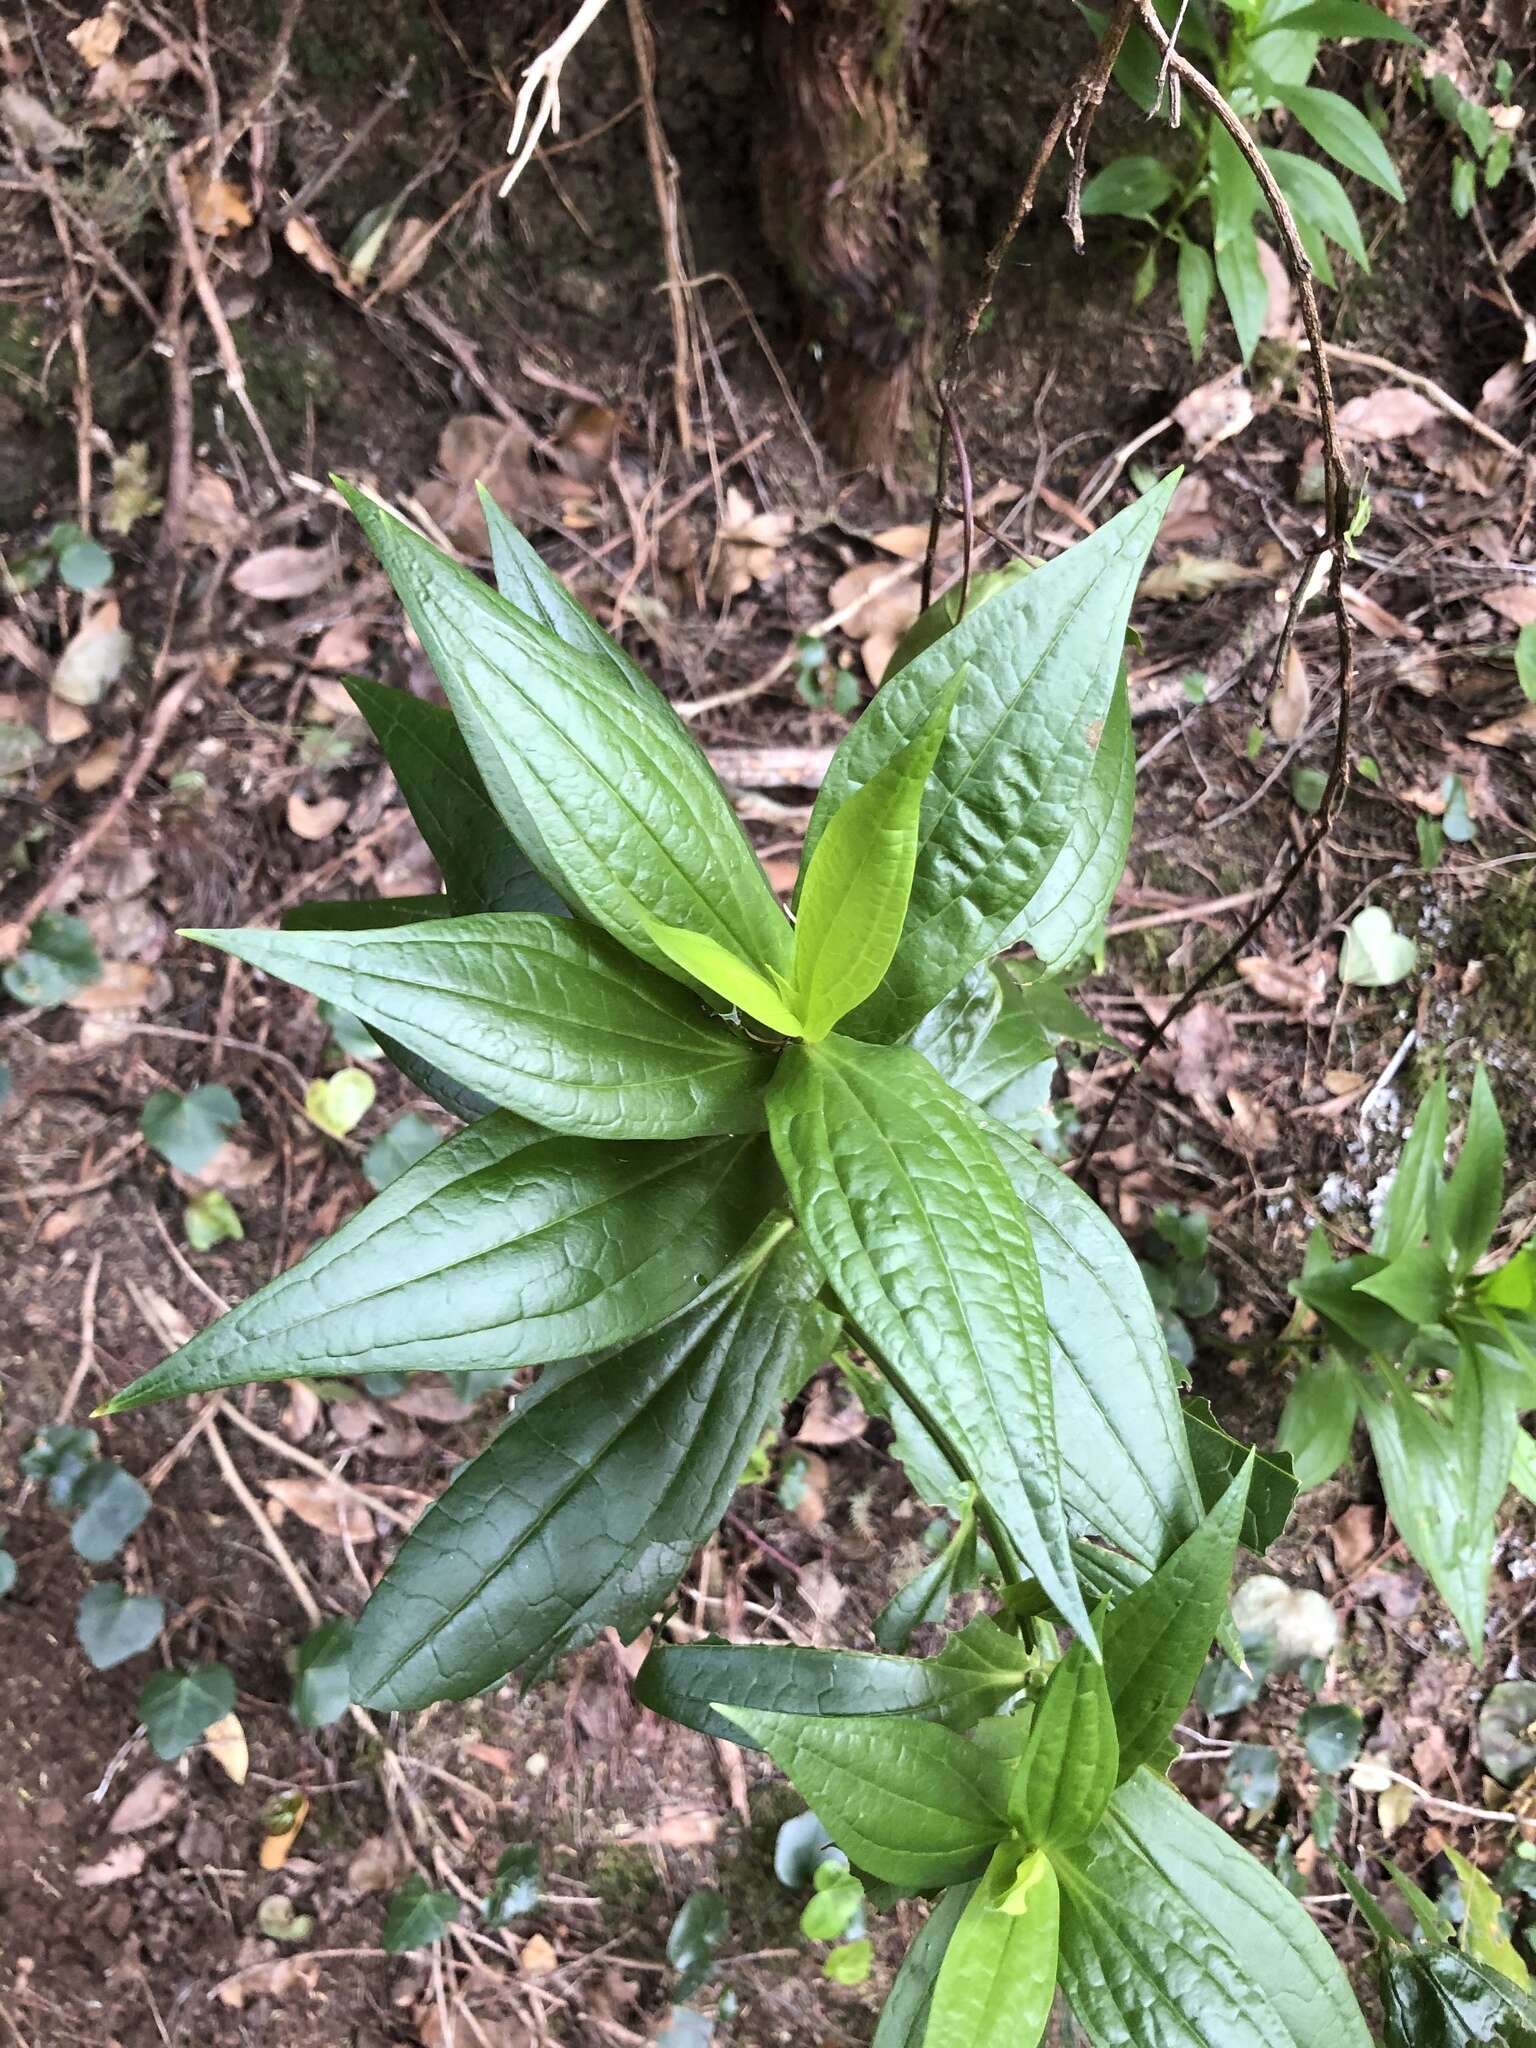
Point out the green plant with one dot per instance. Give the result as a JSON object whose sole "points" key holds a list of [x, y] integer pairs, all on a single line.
{"points": [[1439, 1990], [1439, 1360], [1484, 135], [706, 1147], [1261, 62]]}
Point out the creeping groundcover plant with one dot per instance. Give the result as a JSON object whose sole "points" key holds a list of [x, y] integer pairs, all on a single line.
{"points": [[708, 1146]]}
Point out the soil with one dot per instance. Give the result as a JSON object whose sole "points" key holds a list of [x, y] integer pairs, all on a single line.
{"points": [[549, 315]]}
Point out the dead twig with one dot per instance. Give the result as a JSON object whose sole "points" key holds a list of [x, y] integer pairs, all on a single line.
{"points": [[687, 370], [1451, 407]]}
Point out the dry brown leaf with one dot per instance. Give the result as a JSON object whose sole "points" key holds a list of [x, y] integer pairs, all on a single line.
{"points": [[822, 1591], [1339, 1081], [1376, 619], [64, 723], [278, 1977], [97, 37], [1394, 413], [218, 207], [93, 659], [278, 573], [316, 820], [234, 1167], [1196, 576], [1291, 705], [342, 646], [479, 448], [1515, 602], [910, 543], [1293, 986], [123, 989], [537, 1957], [1189, 513], [1432, 1757], [276, 1848], [323, 1507], [407, 247], [747, 544], [378, 1865], [1280, 322], [311, 247], [157, 1794], [118, 1865], [225, 1742], [302, 1411], [1204, 1046], [823, 1426], [1354, 1537], [163, 1317], [587, 437], [1394, 1806], [100, 765], [129, 83], [431, 1401], [1215, 411], [1254, 1123], [213, 519], [682, 1827], [32, 124], [1504, 731]]}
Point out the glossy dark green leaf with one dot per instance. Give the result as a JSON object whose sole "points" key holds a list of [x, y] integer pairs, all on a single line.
{"points": [[1134, 186], [365, 913], [972, 1675], [582, 1513], [186, 1130], [111, 1626], [944, 612], [542, 1015], [1315, 195], [697, 1935], [1072, 1761], [176, 1707], [1318, 1422], [904, 2017], [1444, 1470], [1172, 1933], [1474, 1195], [602, 786], [1041, 658], [1338, 126], [1333, 1290], [926, 1598], [908, 1801], [997, 1981], [952, 1035], [1127, 1473], [322, 1674], [417, 1916], [526, 581], [1240, 273], [110, 1504], [1156, 1639], [1442, 1999], [1218, 1458], [505, 1246], [1331, 1735], [917, 1227]]}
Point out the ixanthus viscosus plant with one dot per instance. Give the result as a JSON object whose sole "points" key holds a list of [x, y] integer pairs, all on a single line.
{"points": [[706, 1146]]}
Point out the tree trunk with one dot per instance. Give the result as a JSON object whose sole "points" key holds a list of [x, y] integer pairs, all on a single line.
{"points": [[843, 179]]}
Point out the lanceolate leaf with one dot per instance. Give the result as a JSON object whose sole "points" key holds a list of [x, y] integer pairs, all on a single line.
{"points": [[1173, 1934], [1413, 1199], [908, 1801], [1338, 126], [974, 1673], [904, 2017], [504, 1246], [602, 786], [998, 1977], [1157, 1638], [854, 897], [726, 974], [1126, 1468], [1474, 1194], [586, 1508], [1315, 195], [482, 866], [920, 1233], [542, 1015], [1319, 1420], [1040, 663], [1072, 1761], [526, 582]]}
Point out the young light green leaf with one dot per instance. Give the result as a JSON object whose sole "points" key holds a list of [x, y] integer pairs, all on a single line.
{"points": [[1040, 661], [917, 1227], [1072, 1761], [853, 900], [1484, 1934], [1339, 127], [211, 1219], [112, 1626], [1315, 195], [539, 1014], [1318, 1420], [322, 1674], [1375, 954], [334, 1103], [176, 1707], [186, 1130], [1195, 276], [603, 787], [908, 1801], [1474, 1195], [482, 866], [1172, 1932], [706, 961], [1243, 285], [1132, 185], [998, 1977], [1157, 1638], [1346, 18], [904, 2016], [1525, 660], [506, 1245], [584, 1510], [974, 1673], [1408, 1213]]}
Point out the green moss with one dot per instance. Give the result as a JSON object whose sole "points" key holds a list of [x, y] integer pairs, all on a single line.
{"points": [[758, 1903], [356, 48], [1503, 936], [24, 367], [284, 378], [625, 1880]]}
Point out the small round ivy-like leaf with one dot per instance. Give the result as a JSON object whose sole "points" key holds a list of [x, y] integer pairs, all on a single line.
{"points": [[58, 960], [211, 1219], [834, 1906], [1253, 1776], [409, 1138], [176, 1706], [1506, 1731], [1375, 954], [849, 1964], [695, 1940], [1331, 1736], [277, 1920], [417, 1916], [112, 1626], [84, 564], [516, 1885], [59, 1455], [800, 1845], [112, 1504], [322, 1674], [350, 1035], [337, 1103], [186, 1130], [7, 1573]]}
